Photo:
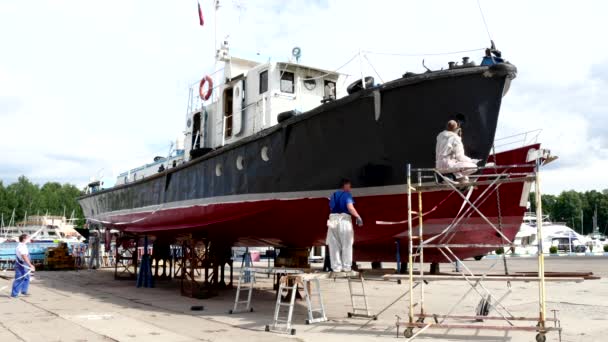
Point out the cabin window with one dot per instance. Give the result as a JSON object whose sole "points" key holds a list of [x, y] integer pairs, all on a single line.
{"points": [[263, 81], [330, 90], [228, 98], [310, 84], [287, 79], [264, 154]]}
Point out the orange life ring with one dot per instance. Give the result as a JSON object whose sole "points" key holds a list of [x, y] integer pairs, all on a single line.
{"points": [[205, 96]]}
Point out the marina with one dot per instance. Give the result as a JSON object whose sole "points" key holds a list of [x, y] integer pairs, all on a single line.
{"points": [[341, 172]]}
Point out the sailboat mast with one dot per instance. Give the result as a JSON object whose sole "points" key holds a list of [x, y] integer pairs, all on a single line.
{"points": [[582, 228], [595, 227]]}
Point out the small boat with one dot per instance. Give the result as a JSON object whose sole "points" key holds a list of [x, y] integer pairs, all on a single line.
{"points": [[556, 234], [43, 229]]}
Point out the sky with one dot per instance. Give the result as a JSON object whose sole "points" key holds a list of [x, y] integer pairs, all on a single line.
{"points": [[93, 88]]}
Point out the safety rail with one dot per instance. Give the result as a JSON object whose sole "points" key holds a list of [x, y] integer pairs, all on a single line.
{"points": [[519, 140]]}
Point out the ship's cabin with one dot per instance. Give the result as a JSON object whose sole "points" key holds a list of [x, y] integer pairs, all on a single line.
{"points": [[253, 96]]}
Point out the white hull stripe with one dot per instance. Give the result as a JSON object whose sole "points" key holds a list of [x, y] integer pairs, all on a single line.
{"points": [[283, 196]]}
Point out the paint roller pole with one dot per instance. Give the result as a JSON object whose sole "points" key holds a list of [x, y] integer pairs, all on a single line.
{"points": [[410, 249]]}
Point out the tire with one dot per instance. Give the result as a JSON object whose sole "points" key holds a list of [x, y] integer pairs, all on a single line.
{"points": [[286, 115], [479, 257], [357, 85], [409, 332]]}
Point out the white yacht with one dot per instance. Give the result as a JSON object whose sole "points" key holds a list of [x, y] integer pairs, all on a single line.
{"points": [[43, 229], [556, 234]]}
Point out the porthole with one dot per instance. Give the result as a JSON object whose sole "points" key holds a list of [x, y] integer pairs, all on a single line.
{"points": [[239, 162], [218, 170], [264, 154]]}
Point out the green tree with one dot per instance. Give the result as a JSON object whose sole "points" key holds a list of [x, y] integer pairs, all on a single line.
{"points": [[69, 204], [53, 198], [548, 202], [568, 208], [25, 197], [4, 205], [595, 200]]}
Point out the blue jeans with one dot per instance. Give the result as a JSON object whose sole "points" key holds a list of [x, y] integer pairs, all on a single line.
{"points": [[22, 279]]}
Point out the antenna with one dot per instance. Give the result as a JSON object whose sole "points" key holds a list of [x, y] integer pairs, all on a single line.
{"points": [[296, 52]]}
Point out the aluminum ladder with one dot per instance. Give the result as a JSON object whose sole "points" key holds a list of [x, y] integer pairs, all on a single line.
{"points": [[246, 282], [355, 297], [312, 289], [280, 323]]}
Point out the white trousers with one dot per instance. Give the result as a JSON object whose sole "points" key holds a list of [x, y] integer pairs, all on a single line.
{"points": [[464, 173], [340, 238]]}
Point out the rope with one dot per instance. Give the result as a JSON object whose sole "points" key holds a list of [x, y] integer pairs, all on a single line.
{"points": [[23, 276], [336, 70], [483, 17], [160, 206], [422, 54], [371, 65]]}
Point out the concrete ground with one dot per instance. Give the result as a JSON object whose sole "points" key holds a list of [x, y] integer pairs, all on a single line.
{"points": [[91, 306]]}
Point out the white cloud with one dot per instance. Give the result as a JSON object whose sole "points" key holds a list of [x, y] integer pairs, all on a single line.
{"points": [[106, 83]]}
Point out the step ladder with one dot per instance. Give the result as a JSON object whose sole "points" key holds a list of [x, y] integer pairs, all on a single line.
{"points": [[246, 282], [281, 323], [359, 298], [312, 289]]}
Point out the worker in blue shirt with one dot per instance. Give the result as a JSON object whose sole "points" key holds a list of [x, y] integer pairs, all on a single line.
{"points": [[340, 235]]}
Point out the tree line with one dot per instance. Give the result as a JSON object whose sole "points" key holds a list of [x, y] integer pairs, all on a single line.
{"points": [[27, 198], [577, 209]]}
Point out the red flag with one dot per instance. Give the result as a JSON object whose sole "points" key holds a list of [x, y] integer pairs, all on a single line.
{"points": [[200, 15]]}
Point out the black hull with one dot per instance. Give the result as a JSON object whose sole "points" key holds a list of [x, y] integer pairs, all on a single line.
{"points": [[367, 137]]}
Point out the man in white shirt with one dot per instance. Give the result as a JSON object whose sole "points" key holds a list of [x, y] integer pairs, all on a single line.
{"points": [[23, 267], [449, 154]]}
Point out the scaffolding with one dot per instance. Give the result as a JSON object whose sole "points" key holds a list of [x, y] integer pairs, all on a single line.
{"points": [[488, 182]]}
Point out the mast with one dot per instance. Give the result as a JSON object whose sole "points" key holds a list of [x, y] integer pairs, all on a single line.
{"points": [[595, 227], [582, 222]]}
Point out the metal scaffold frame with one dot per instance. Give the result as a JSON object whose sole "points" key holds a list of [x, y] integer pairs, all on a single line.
{"points": [[125, 267], [441, 242]]}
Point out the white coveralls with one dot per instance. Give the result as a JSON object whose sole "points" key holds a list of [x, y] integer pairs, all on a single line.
{"points": [[340, 238], [449, 154]]}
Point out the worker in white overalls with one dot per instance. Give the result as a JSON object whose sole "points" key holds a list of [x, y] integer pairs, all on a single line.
{"points": [[23, 268], [449, 154], [340, 235]]}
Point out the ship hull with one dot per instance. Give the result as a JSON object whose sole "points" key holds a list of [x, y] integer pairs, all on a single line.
{"points": [[243, 196]]}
